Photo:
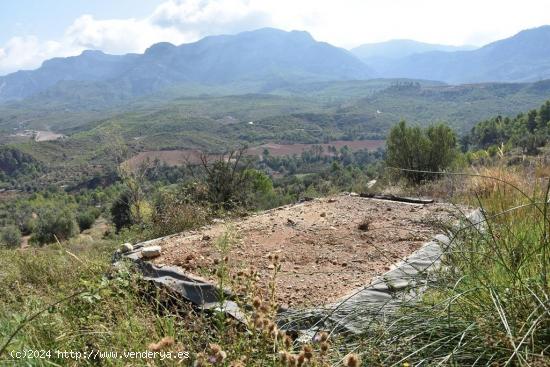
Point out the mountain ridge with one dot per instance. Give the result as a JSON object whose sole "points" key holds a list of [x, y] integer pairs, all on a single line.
{"points": [[523, 57], [398, 48], [269, 58], [264, 54]]}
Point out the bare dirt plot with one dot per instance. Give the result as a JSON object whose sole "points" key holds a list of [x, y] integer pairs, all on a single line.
{"points": [[168, 157], [47, 136], [324, 254], [184, 156], [290, 149]]}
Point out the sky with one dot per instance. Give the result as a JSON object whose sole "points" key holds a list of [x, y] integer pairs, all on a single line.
{"points": [[32, 31]]}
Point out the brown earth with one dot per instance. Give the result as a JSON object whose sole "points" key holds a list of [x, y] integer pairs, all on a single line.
{"points": [[184, 156], [169, 157], [324, 254], [290, 149]]}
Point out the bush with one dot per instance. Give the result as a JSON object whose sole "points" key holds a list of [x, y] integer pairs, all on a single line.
{"points": [[85, 220], [11, 236], [413, 148], [55, 225], [121, 211], [173, 214]]}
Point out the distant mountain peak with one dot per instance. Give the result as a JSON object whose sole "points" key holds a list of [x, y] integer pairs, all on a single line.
{"points": [[524, 57], [266, 56], [92, 53], [399, 48]]}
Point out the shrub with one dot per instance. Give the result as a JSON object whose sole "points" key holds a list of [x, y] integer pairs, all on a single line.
{"points": [[85, 220], [488, 303], [55, 224], [227, 179], [173, 214], [121, 211], [413, 148], [11, 236]]}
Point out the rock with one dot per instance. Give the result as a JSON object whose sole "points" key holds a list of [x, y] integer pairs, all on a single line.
{"points": [[353, 194], [332, 200], [126, 247], [323, 214], [190, 257], [150, 252]]}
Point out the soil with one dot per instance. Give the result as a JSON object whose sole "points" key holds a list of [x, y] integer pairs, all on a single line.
{"points": [[328, 247], [192, 156], [279, 150]]}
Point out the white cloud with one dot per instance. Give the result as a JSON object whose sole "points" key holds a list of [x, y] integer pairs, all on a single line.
{"points": [[345, 23], [118, 35], [204, 17], [28, 51]]}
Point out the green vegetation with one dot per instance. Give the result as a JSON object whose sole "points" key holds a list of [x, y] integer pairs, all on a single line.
{"points": [[488, 303], [486, 306], [414, 149], [86, 219], [529, 131], [54, 215], [308, 113], [16, 167], [54, 225], [11, 236]]}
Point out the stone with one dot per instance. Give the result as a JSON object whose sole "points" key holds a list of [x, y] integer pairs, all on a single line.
{"points": [[126, 247], [323, 214], [150, 252]]}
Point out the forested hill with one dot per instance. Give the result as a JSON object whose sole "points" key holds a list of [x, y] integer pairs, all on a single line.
{"points": [[529, 131]]}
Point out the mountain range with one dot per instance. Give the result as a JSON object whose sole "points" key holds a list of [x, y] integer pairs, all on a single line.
{"points": [[266, 56], [524, 57], [396, 49], [267, 59]]}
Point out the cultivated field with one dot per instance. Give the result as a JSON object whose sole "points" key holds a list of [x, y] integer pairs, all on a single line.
{"points": [[184, 156]]}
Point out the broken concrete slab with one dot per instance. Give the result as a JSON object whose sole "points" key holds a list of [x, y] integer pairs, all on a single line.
{"points": [[150, 252]]}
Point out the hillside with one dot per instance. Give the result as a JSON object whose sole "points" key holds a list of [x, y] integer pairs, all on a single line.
{"points": [[521, 58], [377, 55], [263, 57]]}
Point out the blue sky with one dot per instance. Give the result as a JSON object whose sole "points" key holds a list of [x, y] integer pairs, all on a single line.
{"points": [[32, 31], [49, 19]]}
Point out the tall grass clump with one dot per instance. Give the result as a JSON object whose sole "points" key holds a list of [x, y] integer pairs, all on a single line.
{"points": [[489, 304], [68, 298]]}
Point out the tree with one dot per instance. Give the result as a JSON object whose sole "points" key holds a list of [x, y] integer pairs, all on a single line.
{"points": [[11, 236], [85, 220], [121, 211], [225, 178], [54, 224], [543, 118], [413, 148]]}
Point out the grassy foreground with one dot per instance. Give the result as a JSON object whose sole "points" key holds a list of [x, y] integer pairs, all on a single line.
{"points": [[488, 306]]}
